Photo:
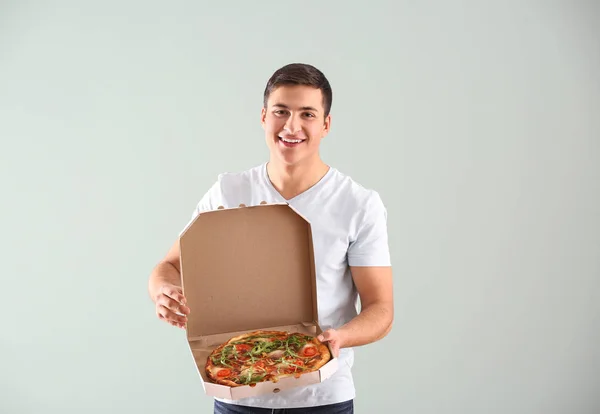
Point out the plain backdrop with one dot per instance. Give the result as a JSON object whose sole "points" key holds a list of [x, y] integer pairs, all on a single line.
{"points": [[477, 122]]}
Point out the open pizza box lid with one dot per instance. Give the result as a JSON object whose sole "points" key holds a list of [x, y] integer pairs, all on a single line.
{"points": [[245, 269]]}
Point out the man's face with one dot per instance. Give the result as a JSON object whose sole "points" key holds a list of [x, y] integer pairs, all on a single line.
{"points": [[294, 123]]}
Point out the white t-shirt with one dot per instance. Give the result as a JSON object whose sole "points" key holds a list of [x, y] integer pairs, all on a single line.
{"points": [[349, 228]]}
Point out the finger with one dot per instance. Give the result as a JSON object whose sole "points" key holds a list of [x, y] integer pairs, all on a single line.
{"points": [[174, 293], [325, 336], [172, 305], [169, 315], [175, 324], [178, 325]]}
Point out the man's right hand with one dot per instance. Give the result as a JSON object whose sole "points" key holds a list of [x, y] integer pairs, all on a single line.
{"points": [[170, 305]]}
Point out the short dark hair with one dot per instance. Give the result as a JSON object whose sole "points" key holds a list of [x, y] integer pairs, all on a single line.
{"points": [[300, 74]]}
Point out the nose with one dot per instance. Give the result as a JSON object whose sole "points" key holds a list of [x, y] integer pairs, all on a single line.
{"points": [[292, 124]]}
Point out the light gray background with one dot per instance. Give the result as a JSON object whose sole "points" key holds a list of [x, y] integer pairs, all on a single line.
{"points": [[478, 122]]}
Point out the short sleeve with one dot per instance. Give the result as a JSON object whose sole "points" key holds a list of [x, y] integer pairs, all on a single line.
{"points": [[370, 245], [209, 201]]}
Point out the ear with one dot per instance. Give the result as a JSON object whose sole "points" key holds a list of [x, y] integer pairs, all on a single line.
{"points": [[263, 115], [327, 125]]}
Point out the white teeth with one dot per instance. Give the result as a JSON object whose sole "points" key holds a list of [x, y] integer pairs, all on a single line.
{"points": [[291, 141]]}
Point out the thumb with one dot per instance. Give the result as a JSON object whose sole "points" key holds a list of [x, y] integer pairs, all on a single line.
{"points": [[325, 336]]}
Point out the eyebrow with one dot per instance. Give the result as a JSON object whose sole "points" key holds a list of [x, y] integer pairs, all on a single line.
{"points": [[304, 108]]}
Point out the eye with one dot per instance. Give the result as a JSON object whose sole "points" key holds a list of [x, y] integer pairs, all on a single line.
{"points": [[309, 115], [280, 112]]}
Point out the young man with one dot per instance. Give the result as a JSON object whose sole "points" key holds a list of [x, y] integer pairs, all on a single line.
{"points": [[349, 237]]}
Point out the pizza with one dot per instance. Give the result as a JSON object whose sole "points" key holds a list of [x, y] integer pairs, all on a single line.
{"points": [[261, 356]]}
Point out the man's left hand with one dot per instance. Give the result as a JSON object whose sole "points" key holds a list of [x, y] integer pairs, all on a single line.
{"points": [[335, 339]]}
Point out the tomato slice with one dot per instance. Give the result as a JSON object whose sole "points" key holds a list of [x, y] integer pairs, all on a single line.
{"points": [[243, 347], [309, 351], [224, 373]]}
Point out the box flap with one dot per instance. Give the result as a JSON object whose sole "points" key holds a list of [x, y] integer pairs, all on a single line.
{"points": [[246, 268]]}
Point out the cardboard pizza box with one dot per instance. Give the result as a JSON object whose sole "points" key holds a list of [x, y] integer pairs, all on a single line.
{"points": [[245, 269]]}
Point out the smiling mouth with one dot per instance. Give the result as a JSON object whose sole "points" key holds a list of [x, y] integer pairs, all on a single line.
{"points": [[290, 140]]}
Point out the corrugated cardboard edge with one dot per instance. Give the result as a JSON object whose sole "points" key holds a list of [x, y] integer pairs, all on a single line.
{"points": [[189, 224], [312, 266]]}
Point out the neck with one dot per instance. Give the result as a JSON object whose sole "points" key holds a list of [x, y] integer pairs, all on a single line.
{"points": [[292, 180]]}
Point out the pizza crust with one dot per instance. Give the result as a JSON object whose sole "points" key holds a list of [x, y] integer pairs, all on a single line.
{"points": [[227, 382], [254, 333]]}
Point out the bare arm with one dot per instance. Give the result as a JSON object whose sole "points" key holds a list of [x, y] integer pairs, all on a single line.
{"points": [[164, 287], [166, 272], [375, 288]]}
